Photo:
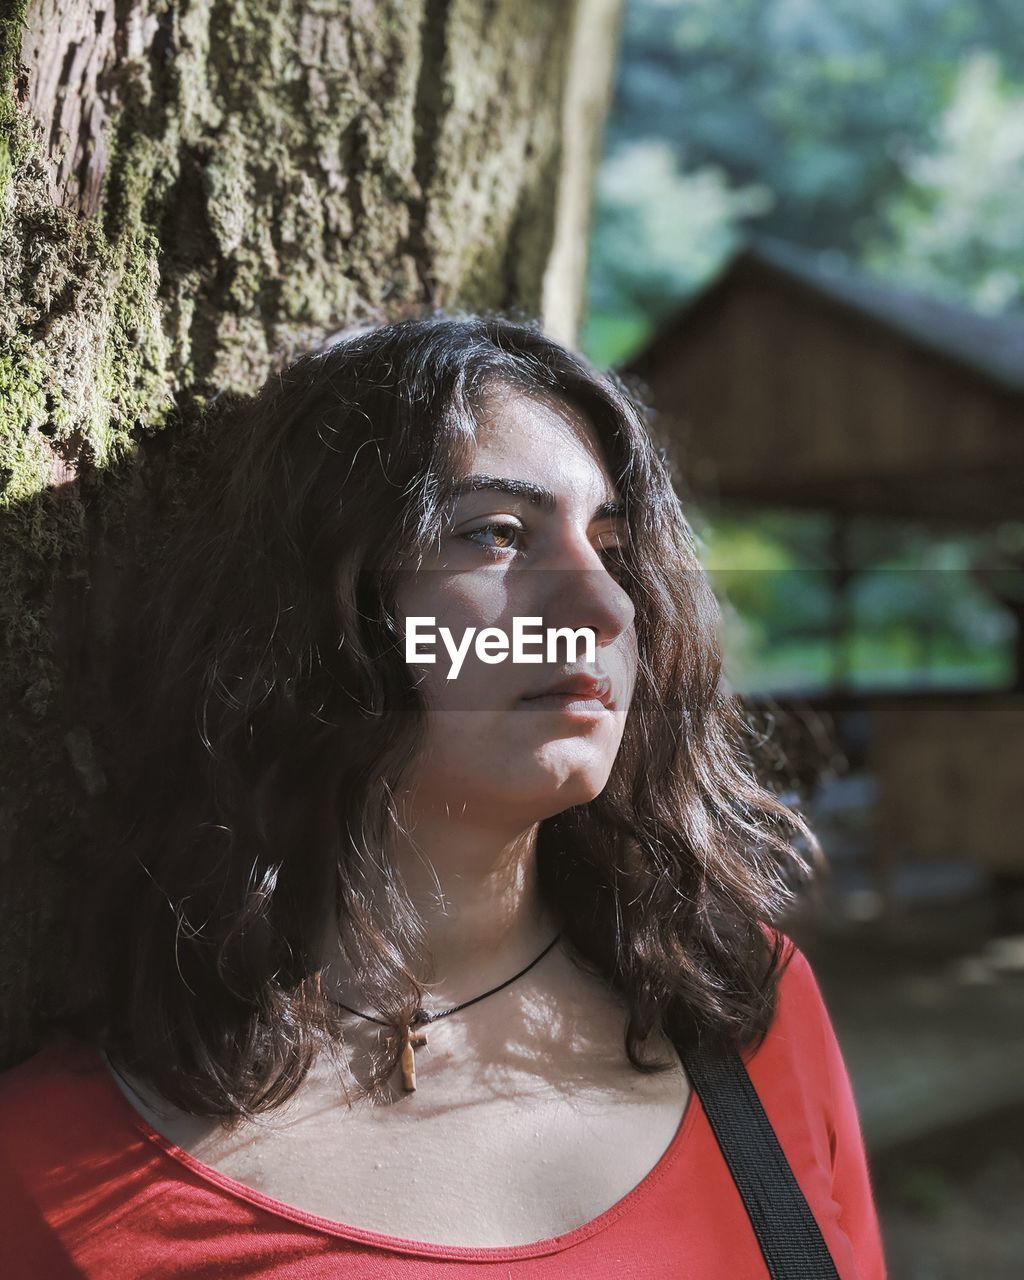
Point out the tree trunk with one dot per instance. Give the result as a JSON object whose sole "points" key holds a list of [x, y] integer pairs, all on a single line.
{"points": [[192, 191]]}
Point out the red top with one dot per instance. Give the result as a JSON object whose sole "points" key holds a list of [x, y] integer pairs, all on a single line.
{"points": [[88, 1188]]}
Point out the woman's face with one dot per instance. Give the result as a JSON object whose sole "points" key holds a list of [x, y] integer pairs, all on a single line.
{"points": [[491, 754]]}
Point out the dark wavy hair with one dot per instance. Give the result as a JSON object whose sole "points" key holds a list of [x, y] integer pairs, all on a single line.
{"points": [[266, 716]]}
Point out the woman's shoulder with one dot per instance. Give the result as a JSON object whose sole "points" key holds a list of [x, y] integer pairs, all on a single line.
{"points": [[801, 1021], [798, 1066], [45, 1093], [802, 1079], [59, 1059], [798, 991], [59, 1131]]}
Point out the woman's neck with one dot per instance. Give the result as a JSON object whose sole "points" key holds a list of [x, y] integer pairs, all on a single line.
{"points": [[477, 891]]}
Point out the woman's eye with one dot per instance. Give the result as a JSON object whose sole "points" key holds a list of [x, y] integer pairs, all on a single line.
{"points": [[506, 538], [505, 532]]}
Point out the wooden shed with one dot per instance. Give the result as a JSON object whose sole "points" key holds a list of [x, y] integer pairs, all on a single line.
{"points": [[791, 381]]}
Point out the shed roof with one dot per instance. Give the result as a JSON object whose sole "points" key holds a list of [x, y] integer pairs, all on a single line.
{"points": [[795, 378], [991, 344]]}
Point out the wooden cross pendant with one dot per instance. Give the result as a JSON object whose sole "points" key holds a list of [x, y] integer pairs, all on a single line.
{"points": [[412, 1039]]}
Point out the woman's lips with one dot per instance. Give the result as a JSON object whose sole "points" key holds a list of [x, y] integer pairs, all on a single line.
{"points": [[580, 685], [577, 705]]}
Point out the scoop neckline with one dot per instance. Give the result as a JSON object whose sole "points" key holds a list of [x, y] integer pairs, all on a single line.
{"points": [[402, 1244]]}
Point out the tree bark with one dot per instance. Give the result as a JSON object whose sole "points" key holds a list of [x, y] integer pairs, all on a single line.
{"points": [[191, 192]]}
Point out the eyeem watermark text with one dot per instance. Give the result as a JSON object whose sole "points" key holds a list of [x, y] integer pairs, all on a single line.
{"points": [[493, 645]]}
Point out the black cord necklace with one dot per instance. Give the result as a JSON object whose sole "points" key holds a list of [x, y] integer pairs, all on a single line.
{"points": [[412, 1038]]}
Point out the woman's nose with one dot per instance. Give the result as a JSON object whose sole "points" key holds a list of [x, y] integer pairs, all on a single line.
{"points": [[583, 593]]}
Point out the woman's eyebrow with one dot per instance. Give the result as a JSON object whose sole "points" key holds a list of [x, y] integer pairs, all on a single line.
{"points": [[533, 493]]}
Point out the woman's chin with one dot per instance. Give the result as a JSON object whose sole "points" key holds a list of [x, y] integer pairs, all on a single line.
{"points": [[565, 788]]}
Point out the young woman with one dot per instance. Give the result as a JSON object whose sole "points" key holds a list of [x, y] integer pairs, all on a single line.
{"points": [[392, 972]]}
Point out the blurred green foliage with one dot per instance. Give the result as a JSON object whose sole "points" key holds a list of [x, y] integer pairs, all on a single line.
{"points": [[918, 614], [891, 133], [955, 229]]}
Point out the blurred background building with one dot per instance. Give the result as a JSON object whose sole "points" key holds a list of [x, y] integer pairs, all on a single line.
{"points": [[807, 252]]}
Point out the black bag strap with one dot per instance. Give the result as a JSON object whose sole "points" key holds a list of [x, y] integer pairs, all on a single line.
{"points": [[786, 1229]]}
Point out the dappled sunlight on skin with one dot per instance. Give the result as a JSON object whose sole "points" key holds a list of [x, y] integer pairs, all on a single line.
{"points": [[538, 1043], [542, 1042], [539, 1073]]}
